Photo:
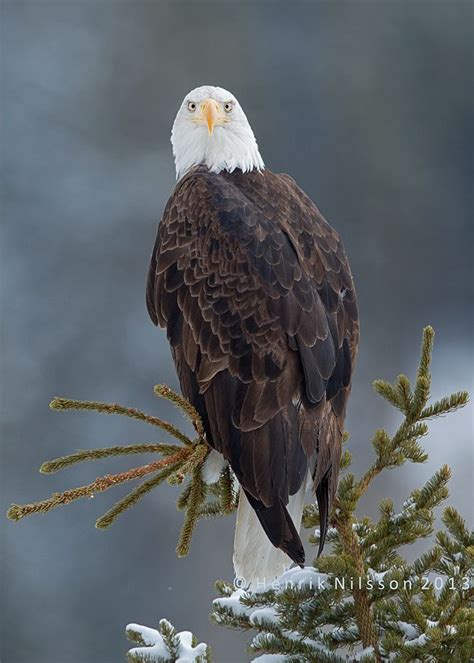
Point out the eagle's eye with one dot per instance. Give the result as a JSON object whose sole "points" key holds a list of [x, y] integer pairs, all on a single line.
{"points": [[191, 106], [228, 106]]}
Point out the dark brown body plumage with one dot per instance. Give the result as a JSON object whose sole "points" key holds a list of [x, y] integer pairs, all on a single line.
{"points": [[255, 291]]}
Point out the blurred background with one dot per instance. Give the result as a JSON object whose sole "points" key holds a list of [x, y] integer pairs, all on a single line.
{"points": [[367, 105]]}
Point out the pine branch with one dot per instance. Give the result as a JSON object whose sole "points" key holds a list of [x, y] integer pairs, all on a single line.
{"points": [[165, 392], [62, 404], [132, 498], [52, 466], [197, 495], [227, 495], [178, 462], [456, 526], [19, 511], [403, 445]]}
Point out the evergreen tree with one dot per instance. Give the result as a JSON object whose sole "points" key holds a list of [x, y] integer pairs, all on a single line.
{"points": [[362, 600]]}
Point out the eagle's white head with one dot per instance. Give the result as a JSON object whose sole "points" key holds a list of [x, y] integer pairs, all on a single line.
{"points": [[211, 129]]}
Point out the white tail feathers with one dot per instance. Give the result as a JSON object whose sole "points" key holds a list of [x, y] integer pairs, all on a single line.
{"points": [[256, 561]]}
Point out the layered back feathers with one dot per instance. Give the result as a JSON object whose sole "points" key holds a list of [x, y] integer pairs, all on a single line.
{"points": [[255, 291]]}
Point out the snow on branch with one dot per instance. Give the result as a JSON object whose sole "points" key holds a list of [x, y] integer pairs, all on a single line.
{"points": [[165, 645]]}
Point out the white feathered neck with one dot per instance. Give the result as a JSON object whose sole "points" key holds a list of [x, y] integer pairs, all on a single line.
{"points": [[231, 146]]}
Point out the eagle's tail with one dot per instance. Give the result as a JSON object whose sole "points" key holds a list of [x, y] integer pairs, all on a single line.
{"points": [[257, 562]]}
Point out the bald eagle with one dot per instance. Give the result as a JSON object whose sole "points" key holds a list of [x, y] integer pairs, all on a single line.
{"points": [[255, 291]]}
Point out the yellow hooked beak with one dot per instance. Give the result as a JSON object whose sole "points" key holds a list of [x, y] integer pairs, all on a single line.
{"points": [[211, 114]]}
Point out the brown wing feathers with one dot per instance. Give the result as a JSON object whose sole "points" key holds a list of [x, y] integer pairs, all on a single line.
{"points": [[256, 294]]}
